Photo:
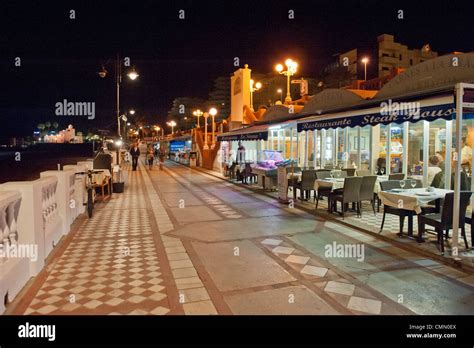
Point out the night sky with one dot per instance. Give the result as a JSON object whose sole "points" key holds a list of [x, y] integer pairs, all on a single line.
{"points": [[60, 57]]}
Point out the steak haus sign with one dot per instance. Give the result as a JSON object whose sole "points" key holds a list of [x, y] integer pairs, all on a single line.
{"points": [[428, 113]]}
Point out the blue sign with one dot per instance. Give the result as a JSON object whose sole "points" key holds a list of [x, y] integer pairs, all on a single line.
{"points": [[427, 113], [176, 146]]}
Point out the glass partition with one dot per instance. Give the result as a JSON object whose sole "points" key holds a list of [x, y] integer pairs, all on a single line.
{"points": [[364, 146], [353, 143], [396, 148], [415, 149], [380, 165]]}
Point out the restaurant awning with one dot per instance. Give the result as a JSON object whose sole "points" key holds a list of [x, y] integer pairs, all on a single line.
{"points": [[257, 132], [388, 112]]}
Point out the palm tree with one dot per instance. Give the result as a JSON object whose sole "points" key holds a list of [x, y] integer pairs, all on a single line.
{"points": [[41, 127]]}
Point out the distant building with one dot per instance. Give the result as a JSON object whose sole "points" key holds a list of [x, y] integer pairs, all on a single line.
{"points": [[391, 58], [392, 55], [349, 59]]}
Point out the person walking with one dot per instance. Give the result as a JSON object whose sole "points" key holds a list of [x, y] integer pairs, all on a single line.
{"points": [[151, 157], [135, 153], [161, 156]]}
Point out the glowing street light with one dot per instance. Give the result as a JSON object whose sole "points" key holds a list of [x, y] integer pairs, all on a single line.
{"points": [[213, 113], [291, 67], [198, 113], [258, 85], [133, 74], [280, 91], [172, 124], [132, 112], [365, 60]]}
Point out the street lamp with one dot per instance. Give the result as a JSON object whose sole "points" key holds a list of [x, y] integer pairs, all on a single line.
{"points": [[258, 85], [213, 113], [171, 124], [206, 115], [118, 80], [365, 60], [133, 74], [290, 71], [280, 91], [198, 113], [132, 112]]}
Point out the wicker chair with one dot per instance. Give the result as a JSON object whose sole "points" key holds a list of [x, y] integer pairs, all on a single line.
{"points": [[349, 171], [444, 221], [248, 176], [322, 191], [367, 190], [306, 185], [348, 194], [399, 176], [401, 213]]}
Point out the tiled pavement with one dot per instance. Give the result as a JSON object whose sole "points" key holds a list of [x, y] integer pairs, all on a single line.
{"points": [[179, 241], [109, 266]]}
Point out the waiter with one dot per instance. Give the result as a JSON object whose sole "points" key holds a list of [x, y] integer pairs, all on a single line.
{"points": [[135, 153]]}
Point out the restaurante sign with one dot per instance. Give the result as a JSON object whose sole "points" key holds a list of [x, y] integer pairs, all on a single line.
{"points": [[244, 136], [428, 113]]}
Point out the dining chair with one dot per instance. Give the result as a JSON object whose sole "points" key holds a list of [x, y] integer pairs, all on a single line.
{"points": [[349, 171], [387, 209], [322, 191], [306, 185], [247, 176], [348, 194], [367, 191], [340, 174], [399, 176], [444, 221]]}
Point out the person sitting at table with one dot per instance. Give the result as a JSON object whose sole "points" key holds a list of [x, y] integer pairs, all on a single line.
{"points": [[381, 164], [439, 180], [440, 156], [433, 169]]}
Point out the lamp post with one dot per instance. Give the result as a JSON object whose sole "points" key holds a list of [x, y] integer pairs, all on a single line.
{"points": [[258, 85], [118, 80], [198, 113], [290, 71], [171, 124], [280, 91], [213, 113], [206, 115], [365, 60]]}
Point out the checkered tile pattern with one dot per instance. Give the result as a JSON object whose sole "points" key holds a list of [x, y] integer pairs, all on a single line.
{"points": [[111, 265], [358, 299], [391, 228]]}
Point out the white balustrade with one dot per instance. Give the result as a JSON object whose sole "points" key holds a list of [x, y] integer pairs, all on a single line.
{"points": [[65, 196], [14, 268], [79, 188], [39, 219]]}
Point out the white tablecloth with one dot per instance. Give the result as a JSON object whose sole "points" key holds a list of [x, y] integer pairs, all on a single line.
{"points": [[411, 199], [338, 183]]}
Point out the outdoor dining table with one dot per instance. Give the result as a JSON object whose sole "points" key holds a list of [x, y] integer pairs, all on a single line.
{"points": [[338, 183], [412, 199]]}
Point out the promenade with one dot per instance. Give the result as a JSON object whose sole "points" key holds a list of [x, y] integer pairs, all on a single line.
{"points": [[180, 241]]}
